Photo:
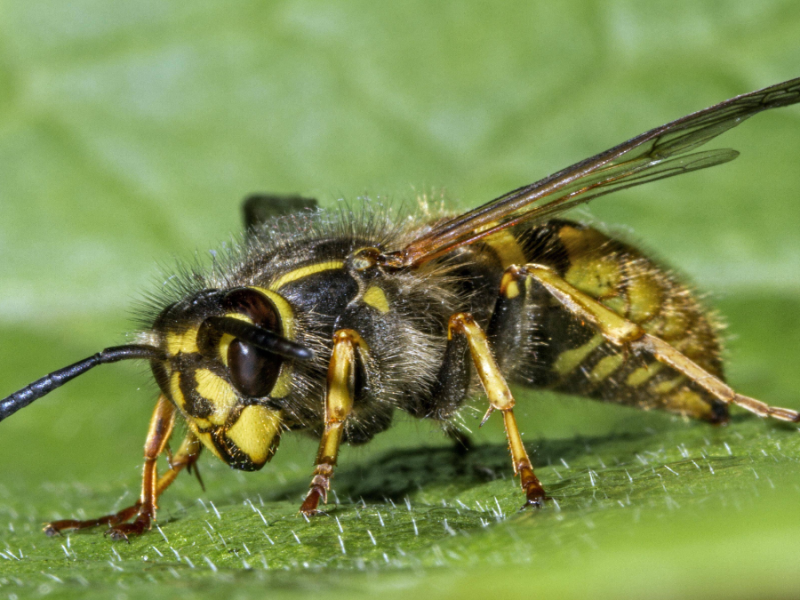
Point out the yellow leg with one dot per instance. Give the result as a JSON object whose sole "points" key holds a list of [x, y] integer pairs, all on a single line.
{"points": [[621, 332], [500, 398], [338, 406]]}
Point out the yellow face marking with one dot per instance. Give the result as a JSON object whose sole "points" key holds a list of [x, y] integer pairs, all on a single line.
{"points": [[175, 391], [643, 374], [254, 431], [204, 437], [240, 316], [194, 423], [606, 366], [218, 392], [568, 360], [224, 344], [180, 401], [376, 298], [282, 385], [184, 342], [305, 272]]}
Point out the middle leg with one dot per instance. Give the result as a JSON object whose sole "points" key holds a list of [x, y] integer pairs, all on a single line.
{"points": [[500, 398], [338, 406]]}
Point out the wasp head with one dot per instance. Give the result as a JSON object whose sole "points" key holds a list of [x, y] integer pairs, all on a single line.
{"points": [[226, 354]]}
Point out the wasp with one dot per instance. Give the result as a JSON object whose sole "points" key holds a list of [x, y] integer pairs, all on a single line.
{"points": [[328, 324]]}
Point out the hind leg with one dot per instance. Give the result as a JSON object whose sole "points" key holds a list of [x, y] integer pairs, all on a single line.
{"points": [[620, 332]]}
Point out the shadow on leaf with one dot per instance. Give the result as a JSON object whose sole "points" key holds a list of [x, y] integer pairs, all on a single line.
{"points": [[395, 475]]}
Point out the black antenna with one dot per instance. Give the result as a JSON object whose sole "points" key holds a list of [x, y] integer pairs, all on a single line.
{"points": [[45, 385], [259, 337]]}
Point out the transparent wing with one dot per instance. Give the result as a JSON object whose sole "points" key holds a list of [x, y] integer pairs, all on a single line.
{"points": [[659, 153]]}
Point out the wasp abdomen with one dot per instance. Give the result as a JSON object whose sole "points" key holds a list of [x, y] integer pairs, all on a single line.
{"points": [[571, 356]]}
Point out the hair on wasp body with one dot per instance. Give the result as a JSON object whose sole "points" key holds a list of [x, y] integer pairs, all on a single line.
{"points": [[330, 323]]}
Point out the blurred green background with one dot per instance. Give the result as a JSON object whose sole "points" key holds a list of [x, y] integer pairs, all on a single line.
{"points": [[130, 131]]}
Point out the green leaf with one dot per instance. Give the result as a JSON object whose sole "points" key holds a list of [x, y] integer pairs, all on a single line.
{"points": [[129, 132]]}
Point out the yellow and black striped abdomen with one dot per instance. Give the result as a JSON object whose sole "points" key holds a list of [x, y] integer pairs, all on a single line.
{"points": [[572, 357]]}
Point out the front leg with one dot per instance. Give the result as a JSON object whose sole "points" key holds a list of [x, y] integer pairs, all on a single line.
{"points": [[158, 434], [338, 406], [500, 398], [144, 510]]}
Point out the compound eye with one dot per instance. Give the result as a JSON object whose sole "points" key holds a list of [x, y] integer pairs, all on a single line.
{"points": [[253, 371], [255, 306]]}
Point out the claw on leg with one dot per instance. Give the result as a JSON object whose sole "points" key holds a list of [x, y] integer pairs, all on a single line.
{"points": [[534, 492], [318, 490], [118, 528], [122, 531], [56, 527]]}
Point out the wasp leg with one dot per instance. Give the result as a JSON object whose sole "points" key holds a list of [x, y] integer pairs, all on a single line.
{"points": [[338, 406], [500, 398], [185, 458], [56, 527], [161, 425], [623, 333]]}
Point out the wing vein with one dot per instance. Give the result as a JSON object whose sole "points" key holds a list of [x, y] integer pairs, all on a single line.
{"points": [[662, 152]]}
